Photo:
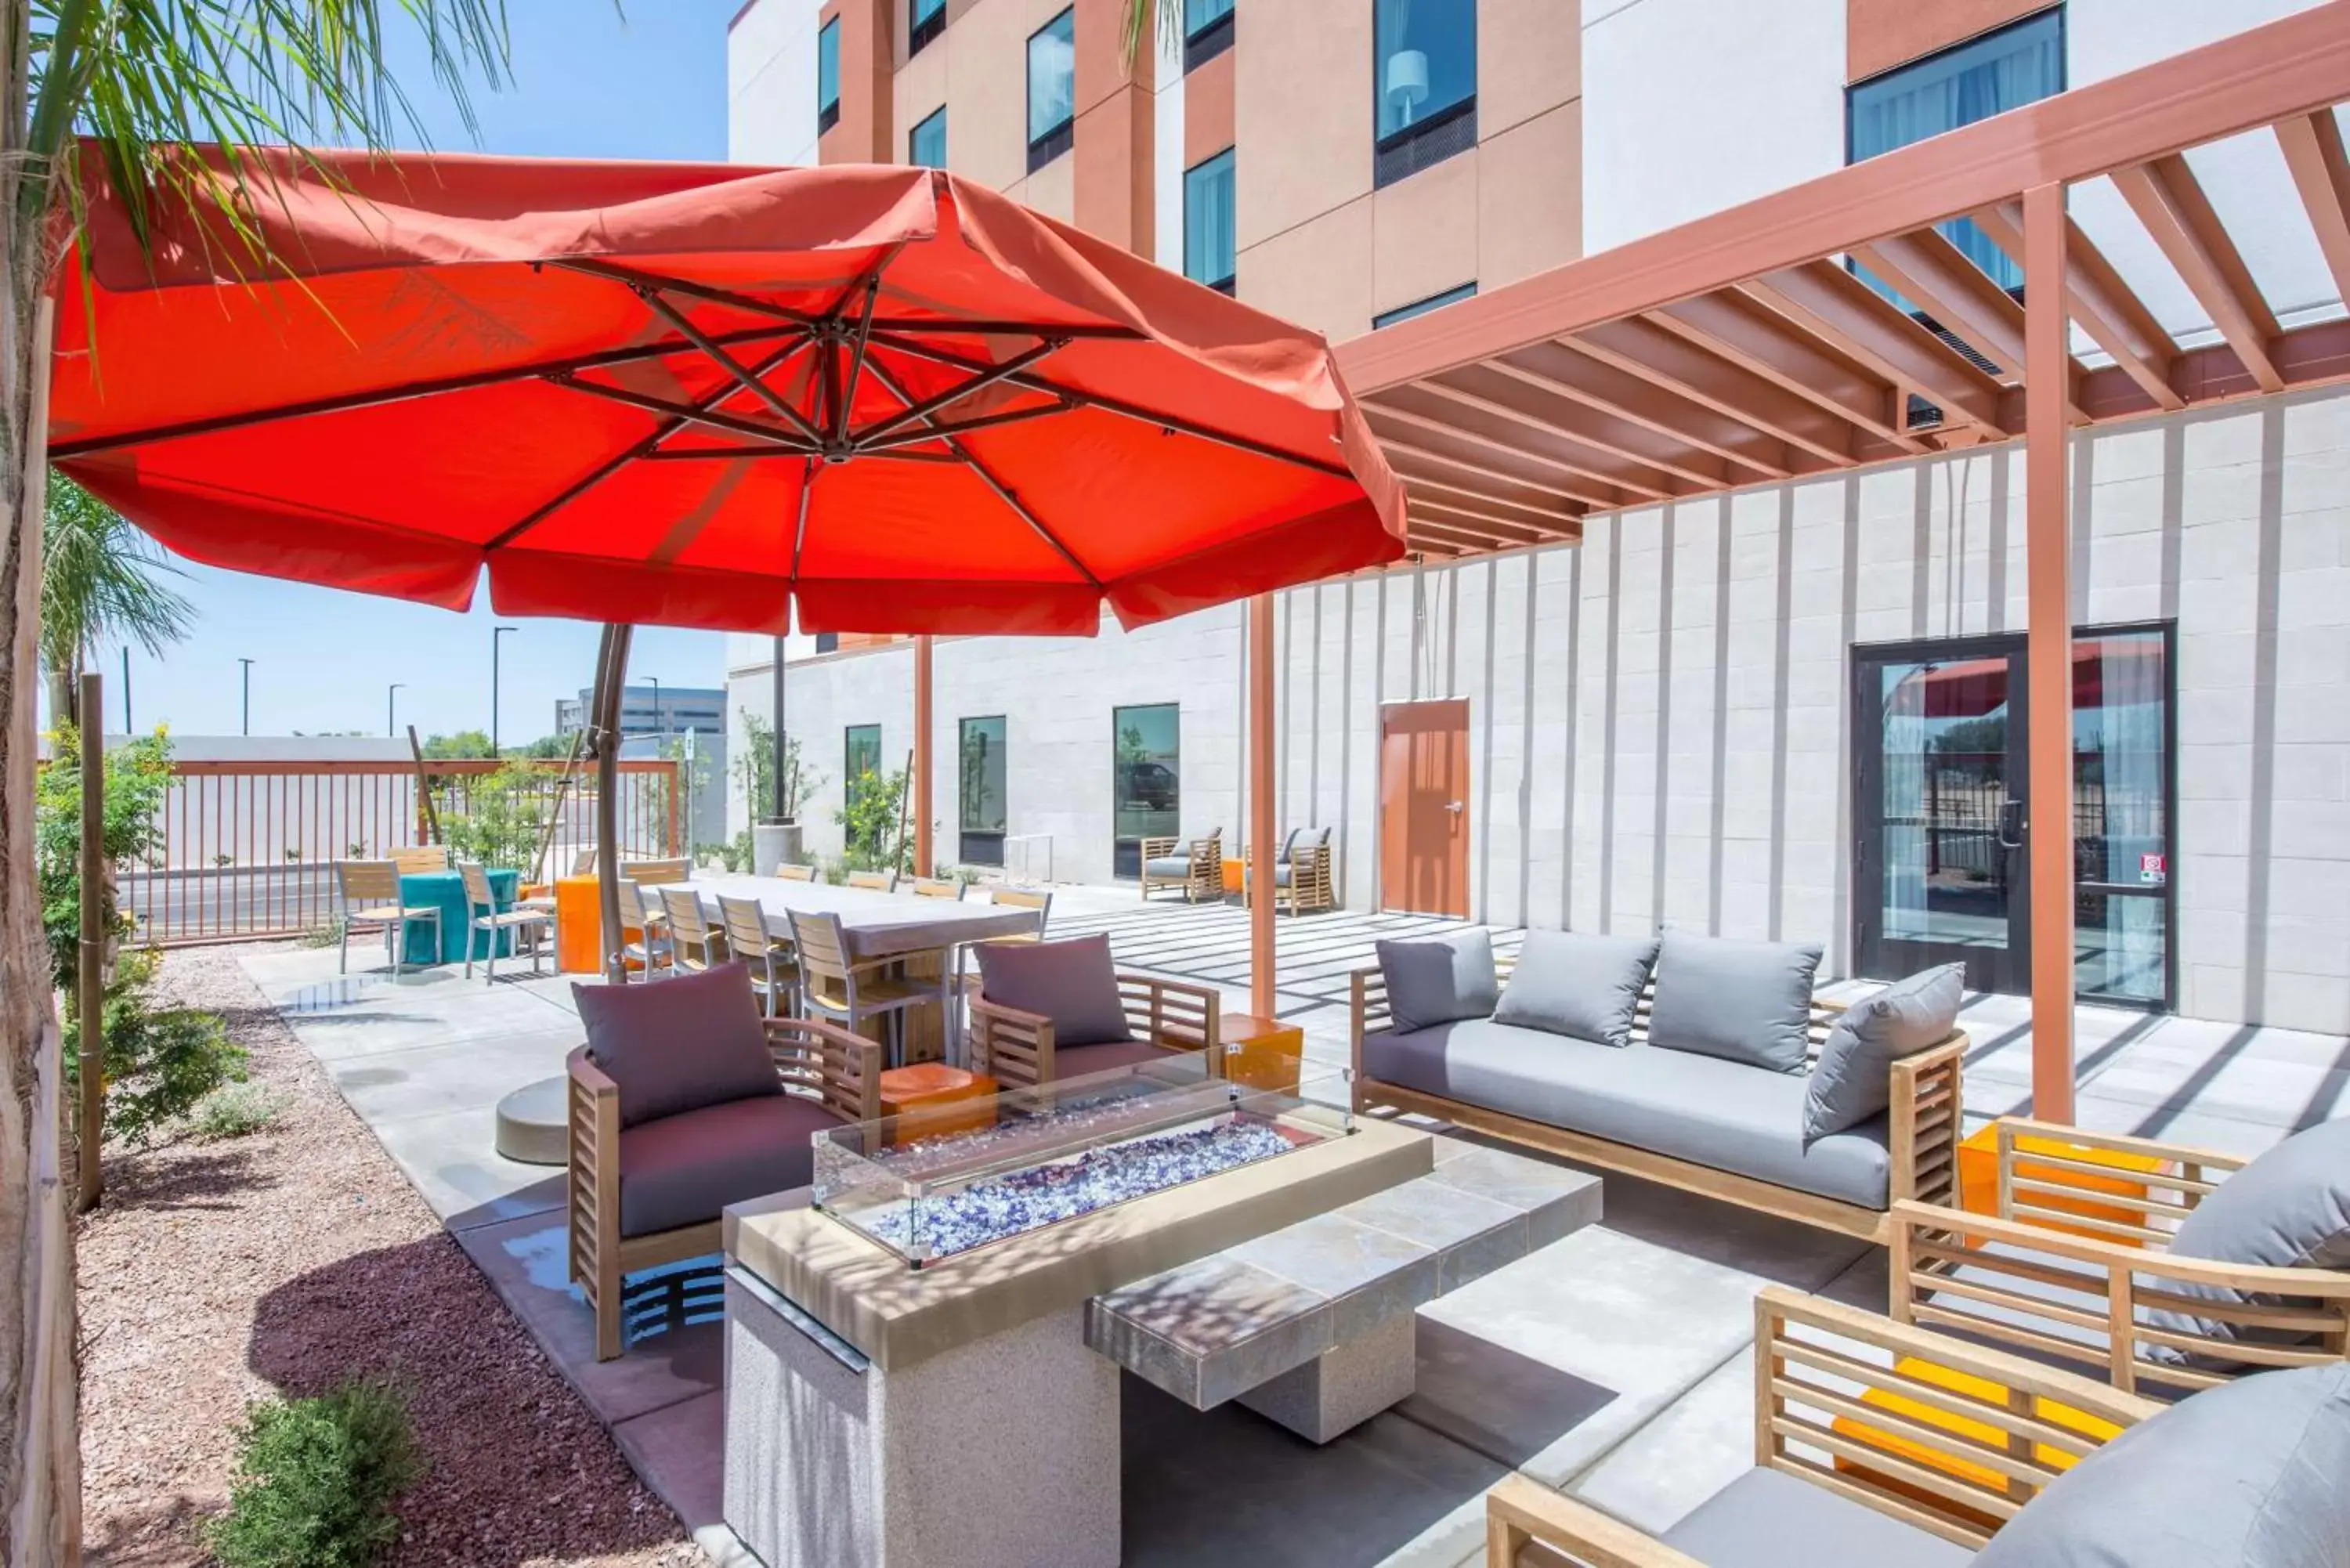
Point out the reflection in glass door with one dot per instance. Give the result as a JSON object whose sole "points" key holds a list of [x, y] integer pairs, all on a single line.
{"points": [[1146, 780], [2121, 815], [980, 817]]}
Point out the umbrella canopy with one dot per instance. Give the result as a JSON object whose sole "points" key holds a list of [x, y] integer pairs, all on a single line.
{"points": [[1976, 688], [691, 395]]}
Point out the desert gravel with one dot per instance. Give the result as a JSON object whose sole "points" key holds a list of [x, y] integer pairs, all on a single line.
{"points": [[282, 1262]]}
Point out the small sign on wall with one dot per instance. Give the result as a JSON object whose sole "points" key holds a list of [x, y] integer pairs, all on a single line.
{"points": [[2153, 869]]}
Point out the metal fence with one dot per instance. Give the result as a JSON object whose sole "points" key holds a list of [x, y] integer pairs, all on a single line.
{"points": [[247, 849]]}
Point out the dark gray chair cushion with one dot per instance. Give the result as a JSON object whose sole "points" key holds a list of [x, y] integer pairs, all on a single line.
{"points": [[2288, 1208], [679, 1044], [1769, 1519], [1439, 980], [682, 1169], [1577, 984], [1072, 982], [1088, 1059], [1698, 1108], [1851, 1081], [2248, 1475], [1743, 1001], [1168, 865]]}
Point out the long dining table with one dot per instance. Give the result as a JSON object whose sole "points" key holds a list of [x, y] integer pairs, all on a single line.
{"points": [[919, 935]]}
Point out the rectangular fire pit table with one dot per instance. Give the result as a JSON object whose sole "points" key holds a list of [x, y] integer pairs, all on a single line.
{"points": [[1312, 1325]]}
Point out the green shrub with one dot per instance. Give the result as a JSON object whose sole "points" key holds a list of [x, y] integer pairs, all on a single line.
{"points": [[325, 934], [233, 1110], [871, 838], [158, 1061], [502, 819], [314, 1480]]}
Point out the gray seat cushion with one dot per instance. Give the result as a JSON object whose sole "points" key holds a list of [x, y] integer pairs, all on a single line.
{"points": [[1072, 982], [682, 1169], [1108, 1058], [1744, 1000], [1439, 980], [678, 1045], [1698, 1108], [1852, 1080], [2247, 1475], [1168, 865], [1769, 1519], [2288, 1208], [1574, 983]]}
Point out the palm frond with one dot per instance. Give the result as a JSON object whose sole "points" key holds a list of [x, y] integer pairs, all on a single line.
{"points": [[102, 582], [1138, 20]]}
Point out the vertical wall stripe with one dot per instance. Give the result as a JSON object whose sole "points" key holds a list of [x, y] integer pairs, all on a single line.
{"points": [[1378, 746], [1526, 753], [1314, 726], [2260, 837], [1720, 802], [1921, 545], [1995, 544], [1662, 786], [1418, 627], [1284, 787], [1484, 707], [1346, 739], [1451, 596], [1615, 532], [1574, 739], [2174, 506], [1839, 936], [1784, 605]]}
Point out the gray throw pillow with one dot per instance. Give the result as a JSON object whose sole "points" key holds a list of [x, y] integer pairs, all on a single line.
{"points": [[2288, 1208], [1072, 982], [1577, 984], [1439, 979], [1851, 1082], [1743, 1000], [2246, 1475], [679, 1044]]}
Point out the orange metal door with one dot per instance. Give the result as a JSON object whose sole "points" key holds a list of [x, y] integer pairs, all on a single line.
{"points": [[1424, 807]]}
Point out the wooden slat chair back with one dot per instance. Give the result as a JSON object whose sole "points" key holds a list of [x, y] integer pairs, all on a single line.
{"points": [[1203, 873], [651, 950], [874, 881], [370, 897], [939, 888], [1846, 1401], [838, 1070], [1017, 1049], [694, 945], [1924, 1120], [836, 987], [415, 859], [484, 916], [791, 872], [583, 863], [2076, 1263], [1038, 898], [773, 974]]}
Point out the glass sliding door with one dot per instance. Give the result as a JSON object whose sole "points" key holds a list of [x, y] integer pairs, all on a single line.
{"points": [[979, 794], [1146, 780], [2121, 815], [860, 760]]}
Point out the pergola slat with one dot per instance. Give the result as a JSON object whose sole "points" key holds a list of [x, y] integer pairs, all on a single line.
{"points": [[1743, 331], [1505, 502], [2312, 151], [1433, 408], [1572, 372], [1449, 451], [1435, 511], [1686, 368], [1936, 275], [1542, 406], [1863, 325], [2168, 200], [2100, 304]]}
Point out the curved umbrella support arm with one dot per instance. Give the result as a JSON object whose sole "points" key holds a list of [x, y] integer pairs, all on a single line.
{"points": [[611, 678]]}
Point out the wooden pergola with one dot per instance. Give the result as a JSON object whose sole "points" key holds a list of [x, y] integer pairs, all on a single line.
{"points": [[1742, 350]]}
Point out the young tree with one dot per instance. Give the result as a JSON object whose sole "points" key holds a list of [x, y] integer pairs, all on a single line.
{"points": [[122, 81], [102, 581]]}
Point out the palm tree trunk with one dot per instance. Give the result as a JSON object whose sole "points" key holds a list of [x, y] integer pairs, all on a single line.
{"points": [[40, 1461]]}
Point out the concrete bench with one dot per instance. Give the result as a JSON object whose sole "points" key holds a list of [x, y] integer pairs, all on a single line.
{"points": [[1311, 1325]]}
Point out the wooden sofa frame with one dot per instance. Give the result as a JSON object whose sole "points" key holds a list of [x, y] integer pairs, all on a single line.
{"points": [[812, 1058], [1924, 1095], [1016, 1048], [1205, 876], [1815, 1360], [2113, 1266]]}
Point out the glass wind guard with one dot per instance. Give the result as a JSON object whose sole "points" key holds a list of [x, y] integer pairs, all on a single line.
{"points": [[1037, 1157]]}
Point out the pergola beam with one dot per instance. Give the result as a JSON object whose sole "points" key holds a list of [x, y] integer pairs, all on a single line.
{"points": [[1576, 373], [1735, 328], [1553, 410], [1501, 504], [1403, 438], [2170, 203], [1685, 367], [2312, 144], [1431, 410], [1863, 325], [2103, 307], [1936, 275]]}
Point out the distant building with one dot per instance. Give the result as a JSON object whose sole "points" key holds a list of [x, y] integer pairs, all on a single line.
{"points": [[681, 708]]}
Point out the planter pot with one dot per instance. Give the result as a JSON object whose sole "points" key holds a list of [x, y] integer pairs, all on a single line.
{"points": [[774, 844]]}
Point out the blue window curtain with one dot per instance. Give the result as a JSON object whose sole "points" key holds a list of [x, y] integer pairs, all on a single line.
{"points": [[1422, 307], [828, 66], [926, 144], [1425, 59], [1199, 14], [1208, 219], [1053, 76], [926, 9], [2015, 65]]}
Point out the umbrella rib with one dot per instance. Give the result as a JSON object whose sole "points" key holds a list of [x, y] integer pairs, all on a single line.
{"points": [[691, 413], [1115, 406], [727, 362], [987, 378], [799, 529], [986, 476], [376, 397], [888, 445], [636, 279], [864, 341], [640, 449]]}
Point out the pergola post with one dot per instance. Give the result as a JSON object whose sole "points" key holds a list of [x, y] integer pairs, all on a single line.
{"points": [[923, 848], [782, 747], [1260, 806], [89, 995], [2048, 650], [611, 677]]}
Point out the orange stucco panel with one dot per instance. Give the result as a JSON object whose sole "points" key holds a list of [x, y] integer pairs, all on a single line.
{"points": [[862, 134], [1114, 169], [1208, 109], [1882, 34]]}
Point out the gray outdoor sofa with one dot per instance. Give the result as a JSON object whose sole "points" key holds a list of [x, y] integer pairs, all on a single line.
{"points": [[1738, 1106]]}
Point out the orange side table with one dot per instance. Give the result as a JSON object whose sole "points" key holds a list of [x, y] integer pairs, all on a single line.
{"points": [[930, 1099], [1235, 874], [578, 925], [1926, 1415], [1979, 1179], [1262, 1052]]}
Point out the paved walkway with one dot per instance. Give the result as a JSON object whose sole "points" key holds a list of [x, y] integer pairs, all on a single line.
{"points": [[1636, 1396]]}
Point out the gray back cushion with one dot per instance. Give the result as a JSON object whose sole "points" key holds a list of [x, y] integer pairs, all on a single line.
{"points": [[1850, 1083], [1072, 982], [679, 1044], [2288, 1208], [1439, 980], [1577, 984], [2251, 1474], [1743, 1000]]}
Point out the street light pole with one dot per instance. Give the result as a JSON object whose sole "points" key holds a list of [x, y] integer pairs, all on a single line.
{"points": [[658, 727], [246, 675], [391, 700], [495, 632]]}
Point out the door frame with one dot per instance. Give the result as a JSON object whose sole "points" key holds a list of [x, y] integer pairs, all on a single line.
{"points": [[1386, 899]]}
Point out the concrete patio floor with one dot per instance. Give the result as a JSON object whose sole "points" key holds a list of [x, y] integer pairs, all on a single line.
{"points": [[1616, 1364]]}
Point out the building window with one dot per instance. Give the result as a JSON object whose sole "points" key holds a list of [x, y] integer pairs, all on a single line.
{"points": [[1422, 307], [980, 797], [861, 761], [1208, 221], [1424, 54], [1051, 90], [2019, 64], [1146, 784], [827, 77], [926, 144], [926, 20], [1207, 31], [828, 642]]}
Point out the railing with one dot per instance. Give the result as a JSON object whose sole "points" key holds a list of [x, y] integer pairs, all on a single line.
{"points": [[247, 849]]}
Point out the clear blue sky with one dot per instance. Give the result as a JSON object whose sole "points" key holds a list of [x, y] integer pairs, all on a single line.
{"points": [[589, 82]]}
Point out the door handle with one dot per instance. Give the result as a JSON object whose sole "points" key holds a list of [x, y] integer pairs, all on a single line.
{"points": [[1455, 808], [2011, 825]]}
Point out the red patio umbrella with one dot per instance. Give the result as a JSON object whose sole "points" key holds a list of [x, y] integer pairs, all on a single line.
{"points": [[691, 395]]}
